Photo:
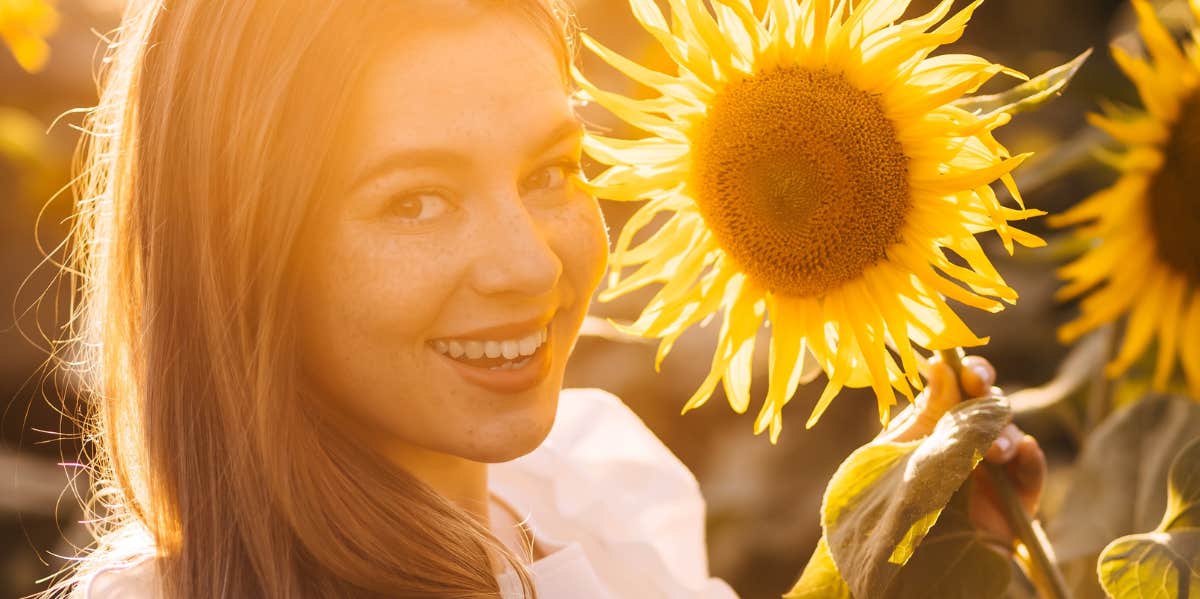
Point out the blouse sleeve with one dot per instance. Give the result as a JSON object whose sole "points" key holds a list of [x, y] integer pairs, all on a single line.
{"points": [[604, 480], [135, 581]]}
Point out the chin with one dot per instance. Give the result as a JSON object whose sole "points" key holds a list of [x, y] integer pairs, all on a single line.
{"points": [[507, 437]]}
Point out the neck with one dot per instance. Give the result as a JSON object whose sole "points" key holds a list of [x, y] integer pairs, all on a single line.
{"points": [[465, 483], [460, 480]]}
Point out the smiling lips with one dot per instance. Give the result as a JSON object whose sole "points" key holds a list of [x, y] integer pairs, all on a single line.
{"points": [[503, 365], [472, 351]]}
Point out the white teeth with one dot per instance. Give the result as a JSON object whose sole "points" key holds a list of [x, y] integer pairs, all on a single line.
{"points": [[511, 365], [510, 349]]}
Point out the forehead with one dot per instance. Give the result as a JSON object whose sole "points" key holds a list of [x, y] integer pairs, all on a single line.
{"points": [[476, 81]]}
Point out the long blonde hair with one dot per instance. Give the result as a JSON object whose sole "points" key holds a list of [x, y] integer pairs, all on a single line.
{"points": [[216, 123]]}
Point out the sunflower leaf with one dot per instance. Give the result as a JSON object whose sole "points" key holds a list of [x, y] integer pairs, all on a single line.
{"points": [[820, 579], [884, 503], [975, 569], [1119, 484], [955, 560], [1028, 95], [1166, 561]]}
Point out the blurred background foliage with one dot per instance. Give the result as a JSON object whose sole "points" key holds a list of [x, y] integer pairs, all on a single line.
{"points": [[763, 501]]}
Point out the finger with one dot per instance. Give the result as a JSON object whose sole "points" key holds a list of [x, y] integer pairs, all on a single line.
{"points": [[1004, 448], [940, 394], [978, 376], [1028, 471], [984, 511], [942, 391]]}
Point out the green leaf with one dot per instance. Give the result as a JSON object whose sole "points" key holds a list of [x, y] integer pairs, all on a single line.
{"points": [[884, 499], [820, 579], [1153, 565], [1164, 563], [1183, 493], [1119, 484], [1028, 95], [955, 559]]}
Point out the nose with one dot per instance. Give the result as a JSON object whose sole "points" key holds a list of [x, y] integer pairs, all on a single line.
{"points": [[515, 256]]}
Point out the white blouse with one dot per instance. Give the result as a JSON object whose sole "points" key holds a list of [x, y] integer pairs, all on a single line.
{"points": [[621, 515]]}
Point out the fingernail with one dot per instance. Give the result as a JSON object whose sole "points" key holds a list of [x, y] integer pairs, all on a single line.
{"points": [[1004, 443], [983, 374]]}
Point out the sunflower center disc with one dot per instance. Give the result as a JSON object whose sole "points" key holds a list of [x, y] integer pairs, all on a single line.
{"points": [[801, 179], [1174, 196]]}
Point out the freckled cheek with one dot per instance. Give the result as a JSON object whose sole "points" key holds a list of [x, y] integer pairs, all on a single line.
{"points": [[396, 292], [582, 245]]}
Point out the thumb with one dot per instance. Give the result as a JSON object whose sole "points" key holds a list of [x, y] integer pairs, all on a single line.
{"points": [[978, 376], [940, 394]]}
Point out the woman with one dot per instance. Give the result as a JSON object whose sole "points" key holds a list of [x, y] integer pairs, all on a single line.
{"points": [[334, 261]]}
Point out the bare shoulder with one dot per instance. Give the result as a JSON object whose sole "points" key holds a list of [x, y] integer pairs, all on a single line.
{"points": [[137, 580]]}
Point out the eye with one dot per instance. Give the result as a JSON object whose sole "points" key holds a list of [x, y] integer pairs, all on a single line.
{"points": [[419, 207], [554, 176]]}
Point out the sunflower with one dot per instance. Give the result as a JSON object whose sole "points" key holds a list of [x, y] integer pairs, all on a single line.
{"points": [[24, 25], [814, 171], [1145, 230]]}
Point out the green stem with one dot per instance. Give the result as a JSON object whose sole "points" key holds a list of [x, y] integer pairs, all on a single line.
{"points": [[1051, 580], [1099, 401]]}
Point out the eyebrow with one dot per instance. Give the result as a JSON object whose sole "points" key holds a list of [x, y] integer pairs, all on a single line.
{"points": [[449, 158]]}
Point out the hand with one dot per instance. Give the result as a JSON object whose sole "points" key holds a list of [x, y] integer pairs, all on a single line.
{"points": [[1017, 451]]}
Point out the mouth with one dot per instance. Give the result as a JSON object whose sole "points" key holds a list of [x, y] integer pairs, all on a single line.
{"points": [[504, 365], [493, 354]]}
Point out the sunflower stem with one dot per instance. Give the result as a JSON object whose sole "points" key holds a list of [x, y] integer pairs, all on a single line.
{"points": [[1099, 400], [1044, 574]]}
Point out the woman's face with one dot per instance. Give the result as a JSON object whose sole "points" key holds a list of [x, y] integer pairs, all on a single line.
{"points": [[447, 281]]}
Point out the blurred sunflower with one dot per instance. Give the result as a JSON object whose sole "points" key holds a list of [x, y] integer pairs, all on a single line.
{"points": [[1145, 229], [24, 25], [815, 171]]}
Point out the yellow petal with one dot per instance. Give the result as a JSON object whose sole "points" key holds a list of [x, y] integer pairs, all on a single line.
{"points": [[682, 90], [729, 11], [969, 179], [837, 379], [1159, 42], [1140, 131], [787, 318], [1158, 99], [651, 18], [1189, 346], [887, 299], [1141, 327], [869, 331], [651, 151], [738, 375], [639, 113], [1168, 330], [720, 287]]}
